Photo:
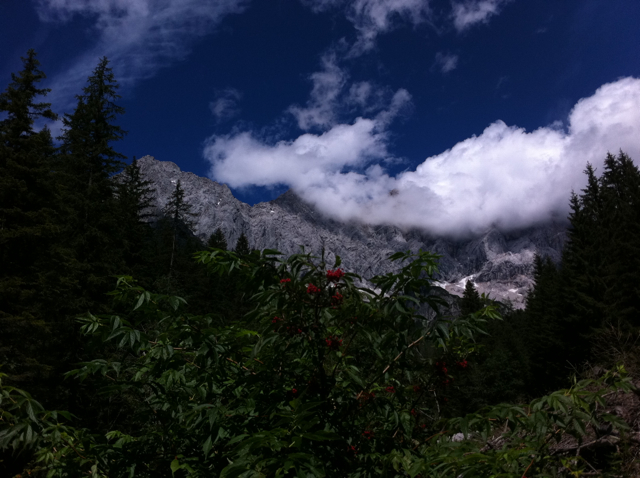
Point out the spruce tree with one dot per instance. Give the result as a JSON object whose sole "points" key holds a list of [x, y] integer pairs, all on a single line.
{"points": [[242, 245], [180, 217], [548, 331], [134, 202], [471, 301], [621, 197], [595, 288], [27, 225], [217, 240], [87, 164]]}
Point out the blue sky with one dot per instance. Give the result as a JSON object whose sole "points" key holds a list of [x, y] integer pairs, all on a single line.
{"points": [[449, 115]]}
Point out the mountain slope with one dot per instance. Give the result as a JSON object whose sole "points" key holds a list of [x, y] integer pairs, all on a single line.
{"points": [[500, 263]]}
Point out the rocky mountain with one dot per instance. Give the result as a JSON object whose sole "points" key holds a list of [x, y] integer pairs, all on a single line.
{"points": [[499, 263]]}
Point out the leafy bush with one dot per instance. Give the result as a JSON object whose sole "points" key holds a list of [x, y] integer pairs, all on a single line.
{"points": [[323, 378]]}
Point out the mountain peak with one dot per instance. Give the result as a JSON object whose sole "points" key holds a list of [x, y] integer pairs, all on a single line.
{"points": [[500, 264]]}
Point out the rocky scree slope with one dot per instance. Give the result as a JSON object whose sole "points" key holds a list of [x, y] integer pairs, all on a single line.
{"points": [[500, 264]]}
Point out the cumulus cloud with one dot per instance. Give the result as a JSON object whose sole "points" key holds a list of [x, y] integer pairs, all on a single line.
{"points": [[328, 84], [446, 62], [225, 106], [138, 36], [505, 177], [330, 99], [374, 17], [469, 12]]}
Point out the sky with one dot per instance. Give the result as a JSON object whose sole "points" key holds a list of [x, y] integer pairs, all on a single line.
{"points": [[452, 116]]}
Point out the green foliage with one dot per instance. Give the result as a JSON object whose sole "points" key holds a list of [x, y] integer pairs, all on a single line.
{"points": [[322, 378], [497, 371]]}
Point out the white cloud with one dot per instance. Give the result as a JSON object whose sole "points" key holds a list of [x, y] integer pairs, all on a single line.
{"points": [[506, 176], [446, 62], [309, 160], [225, 106], [374, 17], [469, 12], [330, 99], [328, 84], [138, 36]]}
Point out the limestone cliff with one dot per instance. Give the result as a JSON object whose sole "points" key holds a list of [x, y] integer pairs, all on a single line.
{"points": [[499, 263]]}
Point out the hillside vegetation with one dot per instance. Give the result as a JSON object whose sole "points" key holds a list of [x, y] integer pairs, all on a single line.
{"points": [[129, 348]]}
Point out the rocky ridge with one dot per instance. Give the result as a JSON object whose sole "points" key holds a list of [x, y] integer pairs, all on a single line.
{"points": [[499, 263]]}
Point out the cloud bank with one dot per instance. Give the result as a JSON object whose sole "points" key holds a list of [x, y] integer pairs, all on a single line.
{"points": [[505, 177], [138, 36]]}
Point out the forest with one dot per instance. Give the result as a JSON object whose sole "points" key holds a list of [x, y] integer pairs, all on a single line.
{"points": [[128, 347]]}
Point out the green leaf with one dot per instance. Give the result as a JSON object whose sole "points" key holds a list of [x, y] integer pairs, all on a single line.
{"points": [[175, 466], [141, 300], [206, 448], [322, 435]]}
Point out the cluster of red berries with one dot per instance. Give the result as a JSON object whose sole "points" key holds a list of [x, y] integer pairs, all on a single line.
{"points": [[462, 364], [335, 276], [390, 389], [364, 397], [312, 289], [275, 320], [333, 342], [294, 330], [337, 298], [285, 281], [368, 434], [442, 367]]}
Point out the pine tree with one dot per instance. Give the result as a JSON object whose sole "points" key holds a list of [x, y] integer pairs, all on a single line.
{"points": [[87, 164], [596, 285], [621, 275], [134, 200], [180, 216], [27, 224], [217, 240], [471, 301], [551, 349], [242, 245], [600, 263]]}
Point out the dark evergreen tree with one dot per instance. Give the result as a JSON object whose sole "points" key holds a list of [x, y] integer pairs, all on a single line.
{"points": [[180, 217], [134, 201], [27, 225], [549, 336], [217, 240], [471, 301], [242, 245], [601, 267], [596, 286], [87, 164], [621, 197]]}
